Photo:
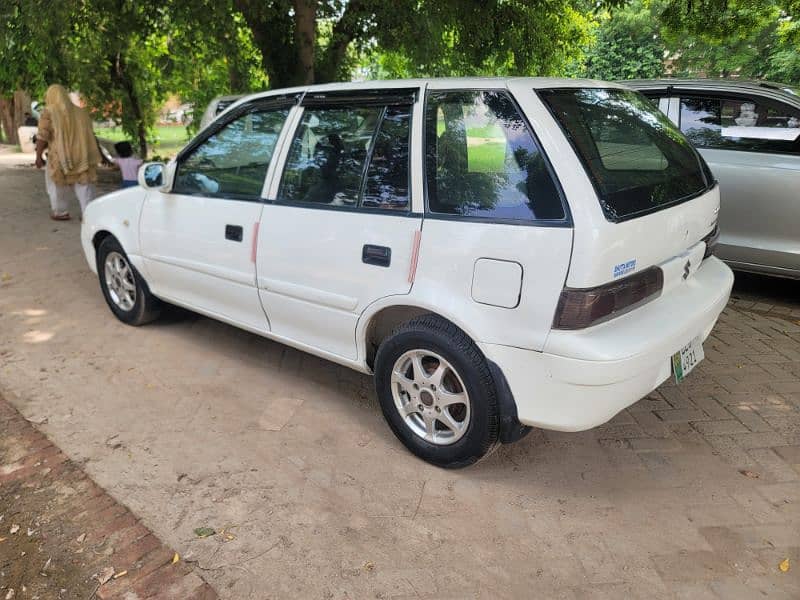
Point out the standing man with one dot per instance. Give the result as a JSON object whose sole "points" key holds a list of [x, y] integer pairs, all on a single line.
{"points": [[65, 130]]}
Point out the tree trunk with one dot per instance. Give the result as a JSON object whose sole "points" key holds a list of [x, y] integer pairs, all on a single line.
{"points": [[329, 68], [305, 20], [7, 118], [121, 74], [22, 104]]}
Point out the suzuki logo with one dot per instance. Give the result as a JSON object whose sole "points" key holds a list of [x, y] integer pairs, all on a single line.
{"points": [[687, 269]]}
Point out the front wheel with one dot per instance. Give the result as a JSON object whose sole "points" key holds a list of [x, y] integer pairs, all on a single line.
{"points": [[437, 393], [125, 291]]}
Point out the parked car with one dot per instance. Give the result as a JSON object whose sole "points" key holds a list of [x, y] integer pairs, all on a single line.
{"points": [[499, 253], [216, 107], [749, 133]]}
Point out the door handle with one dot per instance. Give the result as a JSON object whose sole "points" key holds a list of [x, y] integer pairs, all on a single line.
{"points": [[233, 233], [380, 256]]}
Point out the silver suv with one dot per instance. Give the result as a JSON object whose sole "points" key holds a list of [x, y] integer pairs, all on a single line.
{"points": [[749, 133]]}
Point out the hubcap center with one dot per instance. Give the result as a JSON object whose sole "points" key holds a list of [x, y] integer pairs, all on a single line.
{"points": [[426, 397]]}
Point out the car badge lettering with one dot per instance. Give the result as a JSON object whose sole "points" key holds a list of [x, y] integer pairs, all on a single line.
{"points": [[687, 268], [624, 268]]}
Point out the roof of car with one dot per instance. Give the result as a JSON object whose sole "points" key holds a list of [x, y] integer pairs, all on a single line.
{"points": [[440, 83], [786, 91]]}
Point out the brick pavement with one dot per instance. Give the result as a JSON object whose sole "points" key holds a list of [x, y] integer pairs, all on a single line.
{"points": [[82, 530]]}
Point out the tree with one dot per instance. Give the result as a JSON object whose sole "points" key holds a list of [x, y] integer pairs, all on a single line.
{"points": [[212, 54], [29, 57], [741, 38], [627, 45], [307, 41]]}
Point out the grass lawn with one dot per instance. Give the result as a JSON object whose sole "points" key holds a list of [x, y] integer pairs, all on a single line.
{"points": [[169, 139]]}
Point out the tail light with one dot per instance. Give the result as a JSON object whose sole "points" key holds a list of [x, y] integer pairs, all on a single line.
{"points": [[711, 242], [580, 308]]}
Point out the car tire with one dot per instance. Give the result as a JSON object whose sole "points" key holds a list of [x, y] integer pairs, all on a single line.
{"points": [[124, 289], [437, 393]]}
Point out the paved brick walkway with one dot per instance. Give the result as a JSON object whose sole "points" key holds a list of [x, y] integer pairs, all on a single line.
{"points": [[743, 399], [74, 533]]}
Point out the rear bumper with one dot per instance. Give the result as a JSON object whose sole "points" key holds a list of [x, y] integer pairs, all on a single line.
{"points": [[583, 378]]}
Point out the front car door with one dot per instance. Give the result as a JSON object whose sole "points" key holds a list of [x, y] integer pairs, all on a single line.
{"points": [[752, 144], [198, 239], [337, 232]]}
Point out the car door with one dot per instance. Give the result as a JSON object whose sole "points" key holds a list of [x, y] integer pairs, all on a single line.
{"points": [[338, 231], [198, 239], [752, 145]]}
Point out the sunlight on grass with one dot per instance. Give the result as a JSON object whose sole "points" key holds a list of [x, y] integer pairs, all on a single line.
{"points": [[169, 139]]}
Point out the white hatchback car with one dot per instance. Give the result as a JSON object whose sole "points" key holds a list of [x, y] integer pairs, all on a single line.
{"points": [[500, 253]]}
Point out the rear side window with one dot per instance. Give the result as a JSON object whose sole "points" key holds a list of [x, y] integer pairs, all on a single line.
{"points": [[637, 159], [349, 157], [482, 161], [752, 124]]}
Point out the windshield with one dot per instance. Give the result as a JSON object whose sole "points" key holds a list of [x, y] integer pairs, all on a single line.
{"points": [[636, 158]]}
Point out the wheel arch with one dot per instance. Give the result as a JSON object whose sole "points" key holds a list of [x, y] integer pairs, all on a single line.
{"points": [[101, 235], [381, 317]]}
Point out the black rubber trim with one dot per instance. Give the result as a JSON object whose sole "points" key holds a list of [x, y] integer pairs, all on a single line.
{"points": [[511, 430], [489, 221], [348, 98], [366, 210]]}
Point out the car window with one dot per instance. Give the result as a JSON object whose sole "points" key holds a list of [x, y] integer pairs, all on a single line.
{"points": [[233, 161], [483, 161], [327, 156], [753, 124], [636, 158], [387, 185]]}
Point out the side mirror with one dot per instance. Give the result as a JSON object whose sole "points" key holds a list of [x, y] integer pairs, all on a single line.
{"points": [[151, 175]]}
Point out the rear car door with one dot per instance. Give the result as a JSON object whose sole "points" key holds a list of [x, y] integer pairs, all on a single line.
{"points": [[497, 236], [198, 239], [752, 145], [338, 232]]}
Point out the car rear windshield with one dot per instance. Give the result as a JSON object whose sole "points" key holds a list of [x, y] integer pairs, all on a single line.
{"points": [[637, 159]]}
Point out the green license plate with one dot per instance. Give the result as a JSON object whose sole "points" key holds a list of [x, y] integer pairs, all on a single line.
{"points": [[687, 358]]}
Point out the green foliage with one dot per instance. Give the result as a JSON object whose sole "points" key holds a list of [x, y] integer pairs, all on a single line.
{"points": [[29, 56], [212, 54], [695, 38], [115, 54], [754, 39], [463, 37], [628, 44]]}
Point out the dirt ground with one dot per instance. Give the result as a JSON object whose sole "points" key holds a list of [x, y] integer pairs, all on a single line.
{"points": [[693, 492]]}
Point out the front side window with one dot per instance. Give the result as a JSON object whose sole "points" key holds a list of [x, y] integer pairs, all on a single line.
{"points": [[753, 124], [482, 161], [636, 158], [350, 156], [233, 162]]}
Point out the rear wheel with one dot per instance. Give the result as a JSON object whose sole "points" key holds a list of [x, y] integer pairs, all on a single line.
{"points": [[125, 291], [437, 393]]}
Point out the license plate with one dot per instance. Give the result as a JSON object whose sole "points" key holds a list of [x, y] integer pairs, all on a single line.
{"points": [[687, 358]]}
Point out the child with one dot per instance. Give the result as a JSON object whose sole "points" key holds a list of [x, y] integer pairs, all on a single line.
{"points": [[128, 164]]}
